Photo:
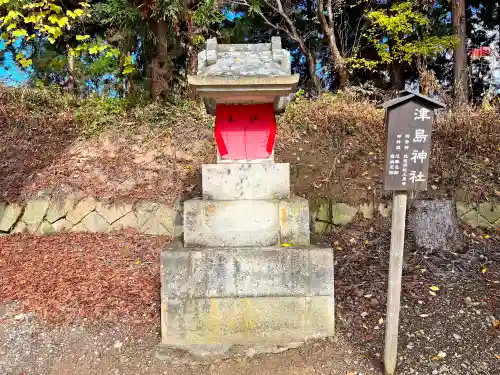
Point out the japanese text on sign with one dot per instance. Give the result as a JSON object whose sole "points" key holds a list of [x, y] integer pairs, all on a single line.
{"points": [[408, 147]]}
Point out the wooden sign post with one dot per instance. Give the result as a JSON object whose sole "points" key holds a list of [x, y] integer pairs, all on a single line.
{"points": [[408, 144]]}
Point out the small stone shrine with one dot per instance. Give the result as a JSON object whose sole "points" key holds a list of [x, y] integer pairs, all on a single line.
{"points": [[246, 275]]}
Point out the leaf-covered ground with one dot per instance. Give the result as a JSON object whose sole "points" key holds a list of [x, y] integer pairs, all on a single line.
{"points": [[96, 305], [73, 276]]}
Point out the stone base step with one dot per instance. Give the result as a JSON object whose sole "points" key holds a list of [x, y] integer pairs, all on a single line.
{"points": [[246, 222], [241, 296], [246, 181]]}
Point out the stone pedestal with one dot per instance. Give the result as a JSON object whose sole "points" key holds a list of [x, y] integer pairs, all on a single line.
{"points": [[232, 282], [246, 275]]}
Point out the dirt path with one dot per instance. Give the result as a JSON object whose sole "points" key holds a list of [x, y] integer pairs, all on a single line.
{"points": [[28, 347]]}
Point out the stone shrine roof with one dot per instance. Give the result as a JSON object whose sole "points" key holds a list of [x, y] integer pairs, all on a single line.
{"points": [[262, 59], [244, 74]]}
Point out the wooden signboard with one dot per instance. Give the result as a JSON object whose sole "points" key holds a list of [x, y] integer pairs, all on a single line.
{"points": [[409, 121], [408, 142]]}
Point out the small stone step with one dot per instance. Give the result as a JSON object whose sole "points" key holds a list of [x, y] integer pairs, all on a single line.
{"points": [[246, 222], [246, 295], [253, 181]]}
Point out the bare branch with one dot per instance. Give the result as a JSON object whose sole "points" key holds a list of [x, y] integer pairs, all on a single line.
{"points": [[329, 10]]}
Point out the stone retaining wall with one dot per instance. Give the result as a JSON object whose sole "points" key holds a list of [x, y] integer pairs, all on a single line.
{"points": [[326, 213], [47, 216]]}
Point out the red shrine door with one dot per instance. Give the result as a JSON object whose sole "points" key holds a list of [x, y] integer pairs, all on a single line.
{"points": [[245, 132]]}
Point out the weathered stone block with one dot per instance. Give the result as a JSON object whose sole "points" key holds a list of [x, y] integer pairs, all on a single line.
{"points": [[20, 227], [343, 214], [246, 181], [211, 57], [212, 44], [483, 223], [231, 223], [167, 217], [246, 295], [324, 210], [321, 271], [93, 223], [156, 219], [9, 217], [246, 272], [475, 219], [112, 213], [384, 209], [58, 209], [81, 210], [320, 227], [127, 221], [367, 210], [276, 43], [46, 228], [434, 225], [144, 211], [34, 213], [236, 321], [61, 225], [471, 218], [463, 208], [490, 211], [294, 221], [154, 228]]}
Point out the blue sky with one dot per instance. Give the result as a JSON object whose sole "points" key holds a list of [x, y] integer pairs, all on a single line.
{"points": [[10, 74]]}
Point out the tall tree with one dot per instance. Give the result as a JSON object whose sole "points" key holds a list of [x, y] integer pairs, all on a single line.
{"points": [[165, 30], [460, 66], [327, 24], [279, 16], [403, 35]]}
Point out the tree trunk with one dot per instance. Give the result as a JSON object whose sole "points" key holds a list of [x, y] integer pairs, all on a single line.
{"points": [[338, 61], [311, 65], [70, 84], [327, 28], [398, 75], [460, 68], [160, 66]]}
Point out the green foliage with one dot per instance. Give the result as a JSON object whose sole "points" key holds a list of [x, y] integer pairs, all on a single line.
{"points": [[357, 63], [97, 114], [403, 33], [101, 57], [28, 21], [206, 14]]}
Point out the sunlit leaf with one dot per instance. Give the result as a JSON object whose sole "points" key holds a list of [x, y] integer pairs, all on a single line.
{"points": [[62, 21], [55, 8], [19, 33], [440, 356], [53, 18]]}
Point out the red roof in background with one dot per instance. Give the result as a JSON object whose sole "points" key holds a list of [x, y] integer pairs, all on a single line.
{"points": [[477, 53]]}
